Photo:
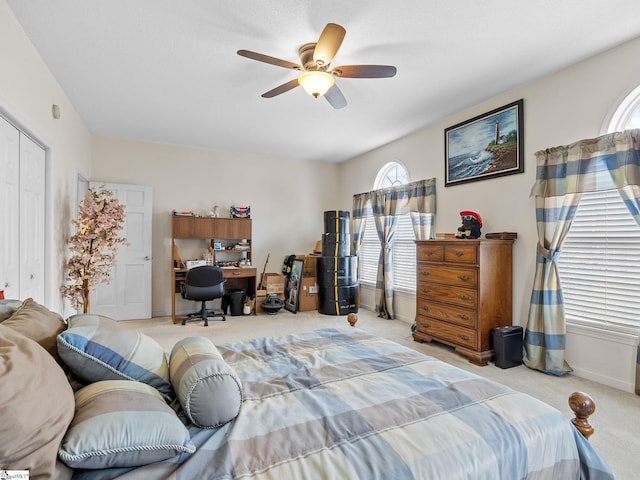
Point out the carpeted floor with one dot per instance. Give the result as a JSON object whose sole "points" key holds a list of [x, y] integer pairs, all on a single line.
{"points": [[617, 416]]}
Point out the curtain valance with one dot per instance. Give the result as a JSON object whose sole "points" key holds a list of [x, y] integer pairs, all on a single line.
{"points": [[607, 162]]}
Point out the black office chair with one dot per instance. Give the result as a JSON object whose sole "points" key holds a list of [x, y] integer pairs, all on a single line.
{"points": [[203, 284]]}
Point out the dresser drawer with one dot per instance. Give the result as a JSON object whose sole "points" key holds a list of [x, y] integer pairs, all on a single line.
{"points": [[466, 277], [448, 313], [446, 332], [430, 252], [461, 254], [465, 297]]}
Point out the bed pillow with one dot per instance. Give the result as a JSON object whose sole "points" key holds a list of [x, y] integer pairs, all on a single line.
{"points": [[37, 407], [98, 348], [8, 308], [38, 323], [119, 423], [208, 389]]}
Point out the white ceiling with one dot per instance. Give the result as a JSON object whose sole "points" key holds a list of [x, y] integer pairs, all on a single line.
{"points": [[167, 71]]}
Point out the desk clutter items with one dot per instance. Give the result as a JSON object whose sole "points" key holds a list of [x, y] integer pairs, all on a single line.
{"points": [[336, 268], [240, 211], [182, 214]]}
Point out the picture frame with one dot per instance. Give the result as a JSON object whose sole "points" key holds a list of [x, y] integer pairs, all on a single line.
{"points": [[487, 146], [292, 286]]}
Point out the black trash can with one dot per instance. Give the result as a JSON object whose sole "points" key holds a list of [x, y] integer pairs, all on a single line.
{"points": [[507, 346], [236, 302]]}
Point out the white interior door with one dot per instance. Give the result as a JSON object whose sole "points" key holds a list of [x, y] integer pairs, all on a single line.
{"points": [[9, 209], [32, 185], [22, 196], [128, 295]]}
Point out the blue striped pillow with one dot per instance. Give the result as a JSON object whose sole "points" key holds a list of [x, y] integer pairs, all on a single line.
{"points": [[98, 348], [119, 423]]}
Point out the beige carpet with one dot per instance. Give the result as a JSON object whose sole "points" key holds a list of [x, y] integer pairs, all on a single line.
{"points": [[617, 416]]}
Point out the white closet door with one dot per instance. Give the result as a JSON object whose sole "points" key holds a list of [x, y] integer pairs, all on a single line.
{"points": [[32, 188], [9, 209]]}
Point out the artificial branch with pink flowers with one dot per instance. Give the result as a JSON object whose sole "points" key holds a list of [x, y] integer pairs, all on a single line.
{"points": [[94, 246]]}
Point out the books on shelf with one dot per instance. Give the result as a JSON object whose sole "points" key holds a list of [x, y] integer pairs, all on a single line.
{"points": [[182, 214]]}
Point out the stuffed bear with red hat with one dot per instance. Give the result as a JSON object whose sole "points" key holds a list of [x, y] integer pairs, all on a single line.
{"points": [[471, 224]]}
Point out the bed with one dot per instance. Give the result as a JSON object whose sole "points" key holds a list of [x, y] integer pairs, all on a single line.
{"points": [[342, 403]]}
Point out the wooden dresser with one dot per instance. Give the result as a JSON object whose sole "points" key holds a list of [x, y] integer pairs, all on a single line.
{"points": [[463, 292]]}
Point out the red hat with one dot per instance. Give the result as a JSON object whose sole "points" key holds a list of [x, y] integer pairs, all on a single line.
{"points": [[472, 214]]}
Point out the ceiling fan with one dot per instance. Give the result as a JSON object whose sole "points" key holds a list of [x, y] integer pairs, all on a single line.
{"points": [[317, 78]]}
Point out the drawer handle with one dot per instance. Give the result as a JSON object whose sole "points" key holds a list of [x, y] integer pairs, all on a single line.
{"points": [[425, 274], [425, 308], [464, 278], [462, 316], [464, 297], [459, 254], [425, 325], [426, 290], [464, 337], [428, 254]]}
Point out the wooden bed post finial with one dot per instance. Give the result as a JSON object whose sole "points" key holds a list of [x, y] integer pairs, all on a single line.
{"points": [[582, 406]]}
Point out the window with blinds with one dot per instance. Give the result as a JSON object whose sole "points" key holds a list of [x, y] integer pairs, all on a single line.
{"points": [[599, 264], [404, 247], [369, 253], [404, 254]]}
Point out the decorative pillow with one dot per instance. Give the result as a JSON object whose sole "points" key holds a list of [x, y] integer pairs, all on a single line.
{"points": [[99, 348], [208, 389], [38, 323], [8, 308], [119, 423], [36, 404]]}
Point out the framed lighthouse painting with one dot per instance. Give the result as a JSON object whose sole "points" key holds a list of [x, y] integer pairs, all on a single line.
{"points": [[487, 146]]}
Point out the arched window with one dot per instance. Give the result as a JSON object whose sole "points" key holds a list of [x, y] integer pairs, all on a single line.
{"points": [[600, 261], [404, 248]]}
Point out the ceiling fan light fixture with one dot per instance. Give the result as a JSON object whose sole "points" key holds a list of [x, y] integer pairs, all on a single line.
{"points": [[316, 83]]}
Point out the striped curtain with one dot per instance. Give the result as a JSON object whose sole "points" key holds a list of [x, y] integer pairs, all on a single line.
{"points": [[416, 198], [361, 210], [631, 196], [608, 162]]}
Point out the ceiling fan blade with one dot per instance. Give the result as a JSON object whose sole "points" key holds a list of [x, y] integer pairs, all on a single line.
{"points": [[267, 59], [335, 97], [285, 87], [328, 44], [364, 71]]}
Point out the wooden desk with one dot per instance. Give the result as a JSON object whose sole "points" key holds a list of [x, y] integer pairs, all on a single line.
{"points": [[235, 277]]}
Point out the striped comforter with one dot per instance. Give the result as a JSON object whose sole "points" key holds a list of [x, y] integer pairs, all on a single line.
{"points": [[344, 404]]}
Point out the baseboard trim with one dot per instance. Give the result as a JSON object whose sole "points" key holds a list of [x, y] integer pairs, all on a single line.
{"points": [[603, 379]]}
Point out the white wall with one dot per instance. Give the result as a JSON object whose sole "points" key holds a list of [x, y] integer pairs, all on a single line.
{"points": [[287, 198], [559, 109], [27, 93]]}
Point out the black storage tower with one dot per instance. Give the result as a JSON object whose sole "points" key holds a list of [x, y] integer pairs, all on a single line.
{"points": [[337, 272]]}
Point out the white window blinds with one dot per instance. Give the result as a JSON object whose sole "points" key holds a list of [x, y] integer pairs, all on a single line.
{"points": [[599, 264], [404, 254]]}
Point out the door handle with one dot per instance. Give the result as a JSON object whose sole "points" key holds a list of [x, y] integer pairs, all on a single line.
{"points": [[147, 258]]}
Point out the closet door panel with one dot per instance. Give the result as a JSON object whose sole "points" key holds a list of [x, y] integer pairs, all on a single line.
{"points": [[32, 190], [9, 209]]}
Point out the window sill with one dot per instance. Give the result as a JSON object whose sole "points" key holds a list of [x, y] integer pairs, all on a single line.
{"points": [[621, 334]]}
